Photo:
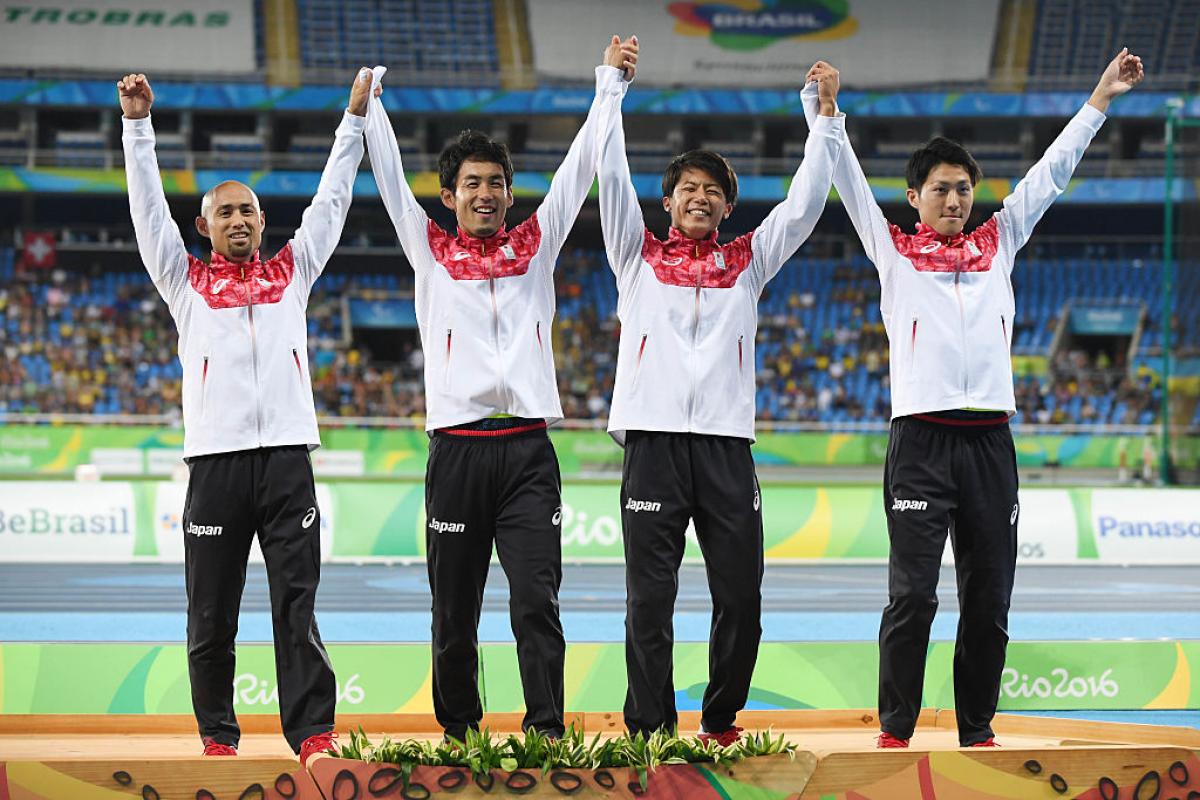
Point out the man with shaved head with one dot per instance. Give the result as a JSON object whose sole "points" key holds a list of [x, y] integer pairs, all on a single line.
{"points": [[248, 417]]}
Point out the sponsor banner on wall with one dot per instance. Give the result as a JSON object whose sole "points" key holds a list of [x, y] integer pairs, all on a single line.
{"points": [[391, 678], [165, 461], [206, 36], [64, 521], [119, 460], [1146, 526], [56, 451], [1046, 529], [746, 43], [330, 463], [1080, 675], [385, 520]]}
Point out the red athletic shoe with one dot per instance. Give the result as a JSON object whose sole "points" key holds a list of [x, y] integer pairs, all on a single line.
{"points": [[317, 743], [214, 748], [724, 738], [988, 742], [885, 741]]}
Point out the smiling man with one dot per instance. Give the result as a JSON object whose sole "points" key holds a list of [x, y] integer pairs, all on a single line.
{"points": [[248, 418], [683, 407], [485, 303], [947, 305]]}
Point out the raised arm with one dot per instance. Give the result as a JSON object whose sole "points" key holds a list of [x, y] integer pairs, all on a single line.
{"points": [[573, 180], [159, 242], [1048, 178], [322, 222], [791, 222], [851, 183], [620, 215], [409, 219]]}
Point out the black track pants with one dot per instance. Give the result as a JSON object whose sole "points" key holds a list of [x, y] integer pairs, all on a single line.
{"points": [[230, 497], [940, 478], [504, 489], [667, 479]]}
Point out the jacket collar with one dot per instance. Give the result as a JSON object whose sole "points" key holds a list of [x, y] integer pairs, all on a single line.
{"points": [[469, 242], [676, 238], [220, 262], [927, 234]]}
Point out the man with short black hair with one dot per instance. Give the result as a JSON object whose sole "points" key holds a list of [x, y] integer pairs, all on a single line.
{"points": [[248, 419], [947, 303], [485, 304], [683, 408]]}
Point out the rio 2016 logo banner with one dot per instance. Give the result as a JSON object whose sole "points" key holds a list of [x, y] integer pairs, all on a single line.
{"points": [[755, 24]]}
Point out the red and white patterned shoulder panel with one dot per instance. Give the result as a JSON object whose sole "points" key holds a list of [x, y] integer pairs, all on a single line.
{"points": [[689, 262], [930, 252], [502, 255], [224, 284]]}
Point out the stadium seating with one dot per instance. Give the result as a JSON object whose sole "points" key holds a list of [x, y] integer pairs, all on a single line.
{"points": [[14, 144], [238, 151], [431, 42], [1073, 39], [80, 148], [171, 149], [105, 344]]}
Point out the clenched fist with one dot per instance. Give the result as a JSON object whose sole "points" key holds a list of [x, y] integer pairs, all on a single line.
{"points": [[623, 55], [135, 95], [828, 82]]}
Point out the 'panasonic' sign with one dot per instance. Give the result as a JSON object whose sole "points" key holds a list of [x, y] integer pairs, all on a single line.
{"points": [[1148, 529]]}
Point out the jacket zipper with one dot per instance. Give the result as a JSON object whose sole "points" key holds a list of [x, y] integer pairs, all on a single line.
{"points": [[538, 330], [740, 337], [962, 322], [203, 385], [637, 366], [495, 323], [449, 341], [253, 355], [912, 351], [1004, 329], [296, 357], [695, 337]]}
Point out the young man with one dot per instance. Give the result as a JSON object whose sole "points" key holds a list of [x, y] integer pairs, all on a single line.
{"points": [[947, 304], [248, 416], [485, 303], [683, 407]]}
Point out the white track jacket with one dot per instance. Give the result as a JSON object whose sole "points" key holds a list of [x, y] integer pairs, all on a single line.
{"points": [[243, 340], [689, 309], [485, 306], [948, 305]]}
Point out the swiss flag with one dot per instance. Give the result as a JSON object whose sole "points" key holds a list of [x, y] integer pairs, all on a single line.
{"points": [[38, 250]]}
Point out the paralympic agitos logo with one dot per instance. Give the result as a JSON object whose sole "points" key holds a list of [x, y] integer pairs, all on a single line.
{"points": [[755, 24]]}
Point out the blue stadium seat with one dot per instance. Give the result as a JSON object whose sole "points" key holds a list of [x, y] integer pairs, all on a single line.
{"points": [[427, 42]]}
